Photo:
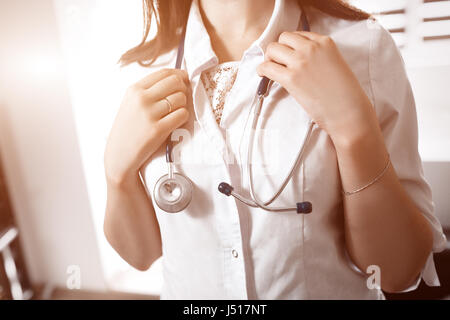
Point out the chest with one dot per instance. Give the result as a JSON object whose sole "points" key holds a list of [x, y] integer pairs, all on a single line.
{"points": [[209, 151]]}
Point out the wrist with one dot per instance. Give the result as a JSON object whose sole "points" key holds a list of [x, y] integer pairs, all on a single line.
{"points": [[351, 139], [121, 180], [363, 145], [360, 127], [361, 156]]}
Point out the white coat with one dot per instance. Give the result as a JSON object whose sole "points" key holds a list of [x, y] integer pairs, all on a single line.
{"points": [[218, 248]]}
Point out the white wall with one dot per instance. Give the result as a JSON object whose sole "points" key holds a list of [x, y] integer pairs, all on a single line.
{"points": [[94, 33], [438, 175], [60, 88], [39, 148], [431, 87], [431, 84]]}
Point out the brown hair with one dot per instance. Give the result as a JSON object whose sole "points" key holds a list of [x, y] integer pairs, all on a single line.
{"points": [[171, 16]]}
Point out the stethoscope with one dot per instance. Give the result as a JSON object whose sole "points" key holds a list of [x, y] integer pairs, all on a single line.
{"points": [[173, 191]]}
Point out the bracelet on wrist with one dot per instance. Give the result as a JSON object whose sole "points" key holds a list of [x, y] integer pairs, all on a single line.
{"points": [[378, 177]]}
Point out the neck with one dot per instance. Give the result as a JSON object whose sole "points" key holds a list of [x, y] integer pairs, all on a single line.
{"points": [[233, 25]]}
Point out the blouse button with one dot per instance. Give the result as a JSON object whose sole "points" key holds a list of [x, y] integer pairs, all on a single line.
{"points": [[234, 253]]}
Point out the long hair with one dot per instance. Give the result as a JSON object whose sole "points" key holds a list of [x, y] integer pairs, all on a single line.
{"points": [[171, 16]]}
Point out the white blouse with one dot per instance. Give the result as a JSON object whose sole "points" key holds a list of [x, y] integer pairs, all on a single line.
{"points": [[218, 248]]}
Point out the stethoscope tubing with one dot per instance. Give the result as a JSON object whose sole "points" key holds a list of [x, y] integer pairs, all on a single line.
{"points": [[255, 201], [262, 92]]}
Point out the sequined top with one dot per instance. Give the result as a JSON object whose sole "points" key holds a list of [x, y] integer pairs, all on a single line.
{"points": [[218, 82]]}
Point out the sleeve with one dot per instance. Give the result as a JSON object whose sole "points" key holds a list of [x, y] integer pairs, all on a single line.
{"points": [[395, 108]]}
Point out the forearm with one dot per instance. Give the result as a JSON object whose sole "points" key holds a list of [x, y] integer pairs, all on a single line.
{"points": [[130, 223], [383, 226]]}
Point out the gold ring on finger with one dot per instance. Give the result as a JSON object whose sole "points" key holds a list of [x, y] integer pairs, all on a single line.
{"points": [[169, 104]]}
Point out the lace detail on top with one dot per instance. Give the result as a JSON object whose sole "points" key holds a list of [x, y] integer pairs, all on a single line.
{"points": [[218, 82]]}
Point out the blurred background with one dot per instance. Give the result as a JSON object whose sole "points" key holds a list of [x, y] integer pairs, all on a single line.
{"points": [[60, 88]]}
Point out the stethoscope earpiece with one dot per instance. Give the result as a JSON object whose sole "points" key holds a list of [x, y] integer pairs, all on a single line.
{"points": [[225, 188], [304, 207]]}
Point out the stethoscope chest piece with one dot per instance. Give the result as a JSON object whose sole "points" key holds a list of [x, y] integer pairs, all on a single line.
{"points": [[173, 194]]}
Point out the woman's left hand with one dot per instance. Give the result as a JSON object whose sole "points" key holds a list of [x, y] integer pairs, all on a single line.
{"points": [[310, 67]]}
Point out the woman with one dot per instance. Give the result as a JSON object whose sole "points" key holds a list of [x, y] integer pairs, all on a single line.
{"points": [[372, 209]]}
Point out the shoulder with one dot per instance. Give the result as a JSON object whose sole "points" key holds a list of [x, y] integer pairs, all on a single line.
{"points": [[326, 24], [366, 37], [366, 45], [372, 54], [135, 72]]}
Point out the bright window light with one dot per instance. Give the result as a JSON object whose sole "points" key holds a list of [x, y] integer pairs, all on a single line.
{"points": [[94, 34]]}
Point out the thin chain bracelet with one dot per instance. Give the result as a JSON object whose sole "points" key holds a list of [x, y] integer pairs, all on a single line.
{"points": [[378, 177]]}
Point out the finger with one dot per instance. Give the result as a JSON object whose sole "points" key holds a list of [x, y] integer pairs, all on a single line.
{"points": [[162, 107], [279, 53], [294, 40], [165, 87], [153, 78], [273, 71], [312, 36], [174, 120]]}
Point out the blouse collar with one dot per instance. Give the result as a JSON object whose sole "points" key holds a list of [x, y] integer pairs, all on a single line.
{"points": [[198, 52]]}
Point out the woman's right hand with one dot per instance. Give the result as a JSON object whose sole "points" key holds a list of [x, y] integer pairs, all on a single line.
{"points": [[143, 122]]}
